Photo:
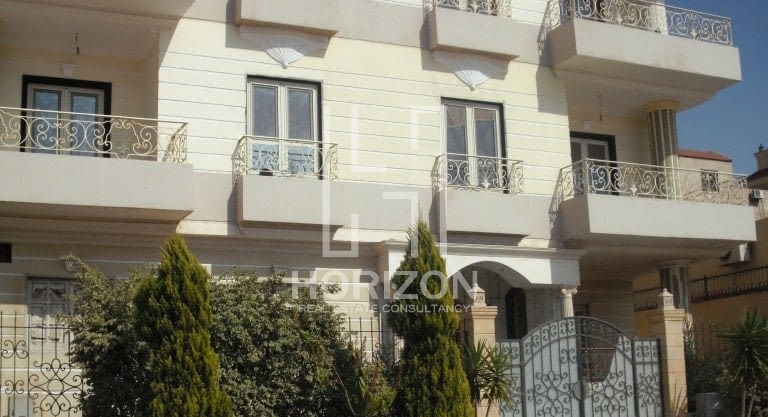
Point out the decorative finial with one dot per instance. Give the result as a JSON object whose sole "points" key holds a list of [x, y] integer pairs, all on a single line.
{"points": [[477, 296], [666, 300]]}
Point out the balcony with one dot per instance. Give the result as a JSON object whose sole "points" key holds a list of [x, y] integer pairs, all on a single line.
{"points": [[93, 166], [650, 45], [466, 185], [299, 178], [644, 209], [448, 19], [319, 16], [166, 8]]}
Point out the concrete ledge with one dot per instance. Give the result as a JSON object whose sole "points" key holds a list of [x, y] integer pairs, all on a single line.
{"points": [[80, 187], [311, 202], [456, 30], [631, 54], [486, 212], [625, 221], [321, 16]]}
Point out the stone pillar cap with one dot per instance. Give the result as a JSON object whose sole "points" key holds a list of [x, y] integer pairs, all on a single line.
{"points": [[666, 300], [476, 296]]}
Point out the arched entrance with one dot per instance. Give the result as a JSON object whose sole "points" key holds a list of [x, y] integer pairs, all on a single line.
{"points": [[521, 305]]}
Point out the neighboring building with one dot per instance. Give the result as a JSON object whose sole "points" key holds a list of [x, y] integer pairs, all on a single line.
{"points": [[719, 290], [538, 138]]}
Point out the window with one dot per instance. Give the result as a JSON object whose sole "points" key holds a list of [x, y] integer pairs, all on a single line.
{"points": [[709, 181], [66, 115], [474, 145], [283, 122], [597, 175], [48, 299], [6, 253]]}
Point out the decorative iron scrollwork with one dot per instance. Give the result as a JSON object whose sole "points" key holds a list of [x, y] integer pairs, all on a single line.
{"points": [[651, 16], [92, 134], [583, 365]]}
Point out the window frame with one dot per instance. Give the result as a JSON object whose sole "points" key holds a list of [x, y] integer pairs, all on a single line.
{"points": [[282, 123], [471, 155], [48, 333], [65, 86], [610, 142]]}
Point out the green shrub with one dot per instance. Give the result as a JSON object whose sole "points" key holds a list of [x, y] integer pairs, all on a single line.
{"points": [[432, 381], [173, 318], [279, 350], [107, 348]]}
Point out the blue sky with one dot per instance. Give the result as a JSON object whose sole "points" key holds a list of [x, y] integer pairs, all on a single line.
{"points": [[735, 121]]}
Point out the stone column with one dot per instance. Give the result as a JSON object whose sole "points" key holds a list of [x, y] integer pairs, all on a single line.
{"points": [[668, 323], [479, 318], [480, 324], [567, 301], [662, 132]]}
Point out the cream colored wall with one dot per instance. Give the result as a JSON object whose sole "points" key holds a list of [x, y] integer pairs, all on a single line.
{"points": [[381, 104], [697, 164], [609, 300], [41, 259], [130, 95], [632, 143]]}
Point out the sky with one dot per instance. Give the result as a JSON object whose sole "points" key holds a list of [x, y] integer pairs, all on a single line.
{"points": [[735, 121]]}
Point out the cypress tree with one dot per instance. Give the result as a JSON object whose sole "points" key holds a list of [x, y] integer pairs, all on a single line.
{"points": [[173, 318], [433, 382]]}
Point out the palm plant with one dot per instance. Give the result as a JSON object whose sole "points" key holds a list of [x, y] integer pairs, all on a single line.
{"points": [[746, 358], [488, 374]]}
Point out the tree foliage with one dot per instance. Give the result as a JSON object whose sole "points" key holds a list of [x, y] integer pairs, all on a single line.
{"points": [[281, 348], [746, 358], [173, 318], [107, 348], [433, 383]]}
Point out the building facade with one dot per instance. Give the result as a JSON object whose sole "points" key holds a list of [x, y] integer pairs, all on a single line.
{"points": [[537, 138]]}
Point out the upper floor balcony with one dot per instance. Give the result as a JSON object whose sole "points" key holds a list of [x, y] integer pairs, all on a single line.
{"points": [[70, 165], [637, 209], [319, 16], [448, 21], [466, 185], [644, 45], [165, 8], [292, 182]]}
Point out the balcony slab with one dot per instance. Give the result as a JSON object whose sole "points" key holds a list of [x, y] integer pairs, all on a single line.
{"points": [[312, 203], [675, 229], [93, 188], [320, 16], [491, 35]]}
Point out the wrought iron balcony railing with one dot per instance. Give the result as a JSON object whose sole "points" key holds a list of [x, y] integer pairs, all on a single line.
{"points": [[650, 16], [730, 284], [647, 299], [285, 157], [478, 173], [66, 133], [490, 7], [639, 180]]}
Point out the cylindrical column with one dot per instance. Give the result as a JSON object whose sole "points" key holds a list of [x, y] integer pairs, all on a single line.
{"points": [[662, 133], [567, 301], [674, 277]]}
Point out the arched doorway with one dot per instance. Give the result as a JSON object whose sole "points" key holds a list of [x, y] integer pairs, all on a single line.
{"points": [[516, 313]]}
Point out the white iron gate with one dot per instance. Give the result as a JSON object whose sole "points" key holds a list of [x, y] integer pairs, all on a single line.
{"points": [[583, 367]]}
